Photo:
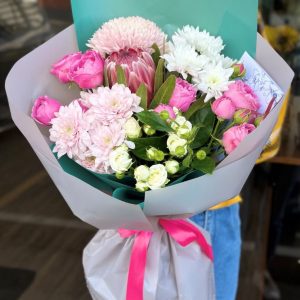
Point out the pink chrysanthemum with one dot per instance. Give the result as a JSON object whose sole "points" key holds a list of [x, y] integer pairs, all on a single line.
{"points": [[130, 32], [69, 131], [104, 140], [111, 105]]}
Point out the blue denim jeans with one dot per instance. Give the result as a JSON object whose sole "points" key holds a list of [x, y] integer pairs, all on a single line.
{"points": [[224, 226]]}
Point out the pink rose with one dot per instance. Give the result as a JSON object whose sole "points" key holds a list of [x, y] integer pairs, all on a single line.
{"points": [[224, 108], [234, 136], [44, 109], [88, 71], [167, 108], [183, 96], [242, 96], [62, 68]]}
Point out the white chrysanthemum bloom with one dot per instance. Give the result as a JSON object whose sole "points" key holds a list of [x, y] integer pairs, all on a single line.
{"points": [[176, 145], [158, 177], [201, 41], [183, 58], [104, 140], [172, 166], [132, 128], [108, 105], [120, 160], [141, 173], [213, 81], [130, 32], [69, 131], [226, 61]]}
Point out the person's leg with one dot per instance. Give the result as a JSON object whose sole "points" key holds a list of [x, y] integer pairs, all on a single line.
{"points": [[224, 227]]}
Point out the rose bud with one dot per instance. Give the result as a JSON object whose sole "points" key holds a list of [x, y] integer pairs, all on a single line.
{"points": [[243, 116], [239, 71], [172, 166], [44, 109]]}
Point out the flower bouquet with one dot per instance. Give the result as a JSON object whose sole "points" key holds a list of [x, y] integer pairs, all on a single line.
{"points": [[169, 125]]}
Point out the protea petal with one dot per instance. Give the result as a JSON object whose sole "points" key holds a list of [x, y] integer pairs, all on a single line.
{"points": [[138, 66]]}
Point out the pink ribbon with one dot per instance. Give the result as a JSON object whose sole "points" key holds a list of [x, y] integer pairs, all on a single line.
{"points": [[183, 232]]}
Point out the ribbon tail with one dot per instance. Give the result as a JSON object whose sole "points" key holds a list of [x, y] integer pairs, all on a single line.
{"points": [[137, 266]]}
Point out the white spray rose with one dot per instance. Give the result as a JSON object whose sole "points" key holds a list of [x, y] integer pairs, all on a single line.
{"points": [[172, 166], [141, 186], [119, 159], [158, 177], [132, 128], [176, 145], [141, 173], [182, 126]]}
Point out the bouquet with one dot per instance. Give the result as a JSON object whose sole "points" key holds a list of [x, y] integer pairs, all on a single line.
{"points": [[152, 112], [168, 124]]}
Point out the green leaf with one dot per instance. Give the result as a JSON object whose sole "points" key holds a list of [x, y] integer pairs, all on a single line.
{"points": [[204, 116], [165, 92], [188, 159], [121, 78], [156, 54], [201, 138], [197, 105], [159, 75], [154, 120], [142, 93], [206, 165], [142, 144]]}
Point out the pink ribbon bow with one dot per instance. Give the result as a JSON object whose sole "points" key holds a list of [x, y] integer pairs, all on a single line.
{"points": [[182, 231]]}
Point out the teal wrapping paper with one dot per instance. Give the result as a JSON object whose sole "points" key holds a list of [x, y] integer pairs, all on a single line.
{"points": [[234, 20]]}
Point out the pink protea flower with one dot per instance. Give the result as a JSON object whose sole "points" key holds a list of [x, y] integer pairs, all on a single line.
{"points": [[127, 33], [138, 65], [69, 131], [108, 105]]}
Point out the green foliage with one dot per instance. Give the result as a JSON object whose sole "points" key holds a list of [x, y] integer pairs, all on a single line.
{"points": [[142, 144], [159, 75], [121, 78], [142, 93], [164, 93], [206, 165], [156, 54], [154, 120]]}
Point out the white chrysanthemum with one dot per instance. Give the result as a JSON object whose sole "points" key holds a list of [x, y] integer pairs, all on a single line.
{"points": [[183, 58], [69, 131], [226, 61], [201, 41], [130, 32], [213, 81]]}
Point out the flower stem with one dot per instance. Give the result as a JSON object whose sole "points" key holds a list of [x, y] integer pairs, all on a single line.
{"points": [[214, 133]]}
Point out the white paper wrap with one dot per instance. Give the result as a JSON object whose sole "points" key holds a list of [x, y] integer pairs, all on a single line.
{"points": [[30, 78], [172, 272]]}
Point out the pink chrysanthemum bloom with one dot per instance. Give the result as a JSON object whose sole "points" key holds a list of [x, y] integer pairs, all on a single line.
{"points": [[108, 105], [127, 42], [104, 140], [127, 33], [69, 131]]}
